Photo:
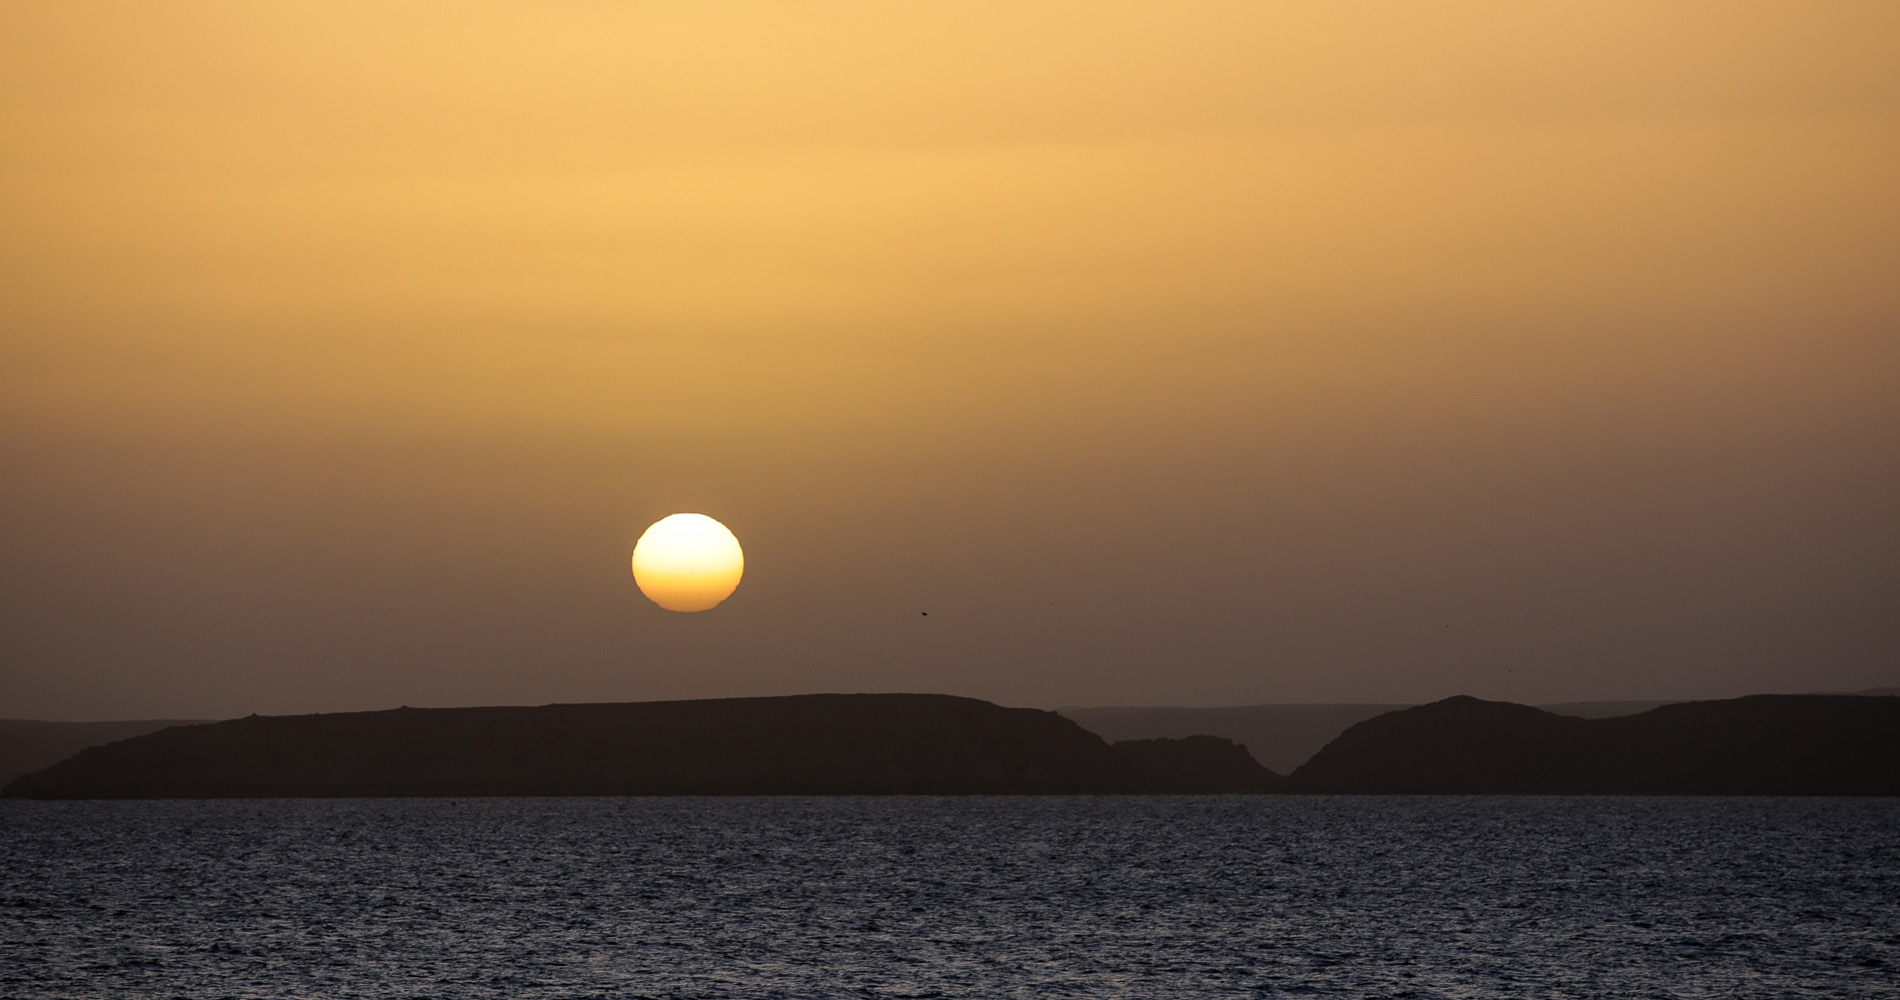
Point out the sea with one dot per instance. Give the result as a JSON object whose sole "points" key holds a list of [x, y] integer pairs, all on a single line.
{"points": [[1129, 896]]}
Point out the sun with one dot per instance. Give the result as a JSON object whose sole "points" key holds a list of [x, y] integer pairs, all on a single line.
{"points": [[687, 562]]}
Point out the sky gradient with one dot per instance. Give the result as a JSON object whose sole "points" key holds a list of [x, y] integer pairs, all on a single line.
{"points": [[1166, 354]]}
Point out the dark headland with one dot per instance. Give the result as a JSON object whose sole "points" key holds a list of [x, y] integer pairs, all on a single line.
{"points": [[866, 744], [943, 745], [1759, 745]]}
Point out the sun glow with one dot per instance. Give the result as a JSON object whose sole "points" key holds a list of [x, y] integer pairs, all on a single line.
{"points": [[687, 562]]}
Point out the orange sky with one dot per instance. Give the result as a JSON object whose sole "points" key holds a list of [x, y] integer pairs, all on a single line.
{"points": [[1188, 353]]}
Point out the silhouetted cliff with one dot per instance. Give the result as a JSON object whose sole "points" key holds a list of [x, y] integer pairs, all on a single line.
{"points": [[1760, 745], [1203, 764], [812, 744]]}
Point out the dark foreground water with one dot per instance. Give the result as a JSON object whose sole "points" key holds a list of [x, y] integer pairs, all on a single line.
{"points": [[970, 897]]}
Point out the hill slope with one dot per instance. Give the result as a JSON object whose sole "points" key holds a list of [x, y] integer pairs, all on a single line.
{"points": [[27, 745]]}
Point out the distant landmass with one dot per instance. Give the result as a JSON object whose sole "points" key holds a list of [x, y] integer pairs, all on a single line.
{"points": [[802, 745], [1199, 764], [943, 745], [1759, 745], [1280, 737], [27, 744], [1285, 736]]}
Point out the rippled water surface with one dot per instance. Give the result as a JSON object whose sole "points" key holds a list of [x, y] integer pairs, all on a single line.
{"points": [[958, 897]]}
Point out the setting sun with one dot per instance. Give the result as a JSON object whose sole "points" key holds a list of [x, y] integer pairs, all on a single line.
{"points": [[687, 562]]}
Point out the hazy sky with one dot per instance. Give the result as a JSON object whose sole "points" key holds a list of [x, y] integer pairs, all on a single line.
{"points": [[1177, 353]]}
